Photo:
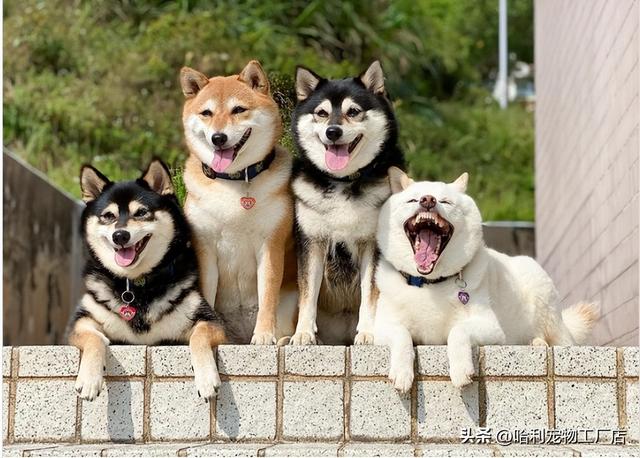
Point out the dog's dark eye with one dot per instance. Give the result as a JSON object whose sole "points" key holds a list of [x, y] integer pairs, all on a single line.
{"points": [[206, 113], [412, 201], [353, 112], [446, 201], [322, 113], [108, 217], [141, 213], [238, 110]]}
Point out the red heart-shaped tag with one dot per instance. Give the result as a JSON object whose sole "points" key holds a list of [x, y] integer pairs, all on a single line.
{"points": [[127, 312], [247, 202]]}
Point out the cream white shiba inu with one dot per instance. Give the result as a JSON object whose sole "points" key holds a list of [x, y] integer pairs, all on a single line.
{"points": [[239, 202], [439, 284]]}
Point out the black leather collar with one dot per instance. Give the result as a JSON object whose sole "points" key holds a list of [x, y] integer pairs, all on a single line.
{"points": [[247, 174], [419, 281]]}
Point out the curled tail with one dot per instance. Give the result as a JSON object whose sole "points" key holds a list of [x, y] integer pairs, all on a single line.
{"points": [[580, 319]]}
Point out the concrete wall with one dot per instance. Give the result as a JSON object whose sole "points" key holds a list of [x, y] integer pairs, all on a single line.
{"points": [[587, 147], [339, 396], [42, 255]]}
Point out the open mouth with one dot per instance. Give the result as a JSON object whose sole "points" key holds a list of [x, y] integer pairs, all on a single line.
{"points": [[337, 156], [429, 234], [223, 157], [126, 256]]}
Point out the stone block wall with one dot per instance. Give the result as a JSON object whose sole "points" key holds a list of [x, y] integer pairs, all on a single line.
{"points": [[336, 396]]}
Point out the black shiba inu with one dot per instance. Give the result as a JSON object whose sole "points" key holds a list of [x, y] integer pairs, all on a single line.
{"points": [[141, 278], [346, 135]]}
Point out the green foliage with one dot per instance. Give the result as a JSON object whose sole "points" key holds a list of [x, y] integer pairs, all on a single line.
{"points": [[98, 81]]}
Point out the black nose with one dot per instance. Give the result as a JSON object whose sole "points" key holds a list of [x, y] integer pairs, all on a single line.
{"points": [[219, 139], [121, 237], [428, 202], [333, 133]]}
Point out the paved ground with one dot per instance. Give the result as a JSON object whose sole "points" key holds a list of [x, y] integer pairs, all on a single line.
{"points": [[314, 449]]}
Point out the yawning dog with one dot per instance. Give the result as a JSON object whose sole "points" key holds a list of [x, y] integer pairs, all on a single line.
{"points": [[439, 284], [141, 278]]}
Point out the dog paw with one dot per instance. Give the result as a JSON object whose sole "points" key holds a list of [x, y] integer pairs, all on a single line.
{"points": [[207, 382], [461, 374], [263, 338], [303, 338], [363, 338], [89, 384], [402, 378]]}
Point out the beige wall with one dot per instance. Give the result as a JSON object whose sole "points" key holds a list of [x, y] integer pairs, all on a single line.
{"points": [[587, 148]]}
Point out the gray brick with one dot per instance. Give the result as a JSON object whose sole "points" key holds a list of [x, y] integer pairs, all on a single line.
{"points": [[5, 410], [126, 360], [379, 412], [633, 410], [433, 360], [515, 360], [116, 415], [304, 449], [146, 449], [573, 410], [45, 410], [246, 410], [369, 360], [443, 450], [174, 361], [6, 361], [248, 359], [585, 361], [48, 361], [517, 405], [67, 450], [607, 450], [631, 357], [444, 409], [177, 412], [534, 450], [313, 410], [377, 450], [226, 450], [314, 360]]}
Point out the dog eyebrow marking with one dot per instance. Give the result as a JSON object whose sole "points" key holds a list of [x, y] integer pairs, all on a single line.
{"points": [[113, 208], [134, 206], [349, 103], [208, 105], [324, 105]]}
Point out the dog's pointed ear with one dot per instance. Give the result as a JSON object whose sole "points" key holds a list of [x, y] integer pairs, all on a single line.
{"points": [[255, 77], [461, 182], [306, 82], [158, 177], [373, 78], [92, 182], [192, 81], [398, 180]]}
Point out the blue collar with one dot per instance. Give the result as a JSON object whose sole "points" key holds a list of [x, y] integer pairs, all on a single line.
{"points": [[248, 174], [420, 281]]}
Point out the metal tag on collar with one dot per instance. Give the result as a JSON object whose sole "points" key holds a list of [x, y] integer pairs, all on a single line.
{"points": [[127, 311], [247, 202], [463, 296]]}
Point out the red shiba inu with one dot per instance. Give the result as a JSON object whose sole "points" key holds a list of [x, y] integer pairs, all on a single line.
{"points": [[239, 201]]}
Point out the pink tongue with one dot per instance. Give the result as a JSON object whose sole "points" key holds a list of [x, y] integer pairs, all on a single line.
{"points": [[337, 156], [426, 250], [125, 256], [222, 159]]}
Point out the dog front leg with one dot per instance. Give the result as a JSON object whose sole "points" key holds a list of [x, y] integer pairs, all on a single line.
{"points": [[400, 343], [463, 336], [88, 337], [204, 336], [368, 295], [270, 270], [208, 260], [311, 259]]}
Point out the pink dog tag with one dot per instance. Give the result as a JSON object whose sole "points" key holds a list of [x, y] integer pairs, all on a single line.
{"points": [[127, 312], [247, 202]]}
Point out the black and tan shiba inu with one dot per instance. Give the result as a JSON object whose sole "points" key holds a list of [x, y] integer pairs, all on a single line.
{"points": [[346, 134], [141, 278]]}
